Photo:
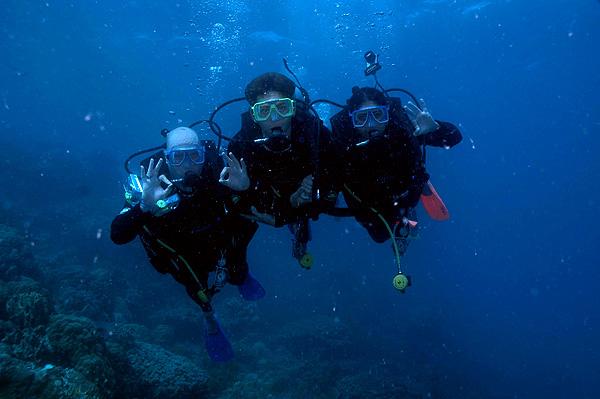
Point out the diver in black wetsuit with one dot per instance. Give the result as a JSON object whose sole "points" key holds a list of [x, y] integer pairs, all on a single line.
{"points": [[182, 213], [281, 143], [380, 162]]}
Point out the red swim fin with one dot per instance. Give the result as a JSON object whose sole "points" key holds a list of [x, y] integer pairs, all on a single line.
{"points": [[433, 204]]}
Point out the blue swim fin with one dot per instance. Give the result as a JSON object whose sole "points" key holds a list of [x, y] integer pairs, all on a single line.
{"points": [[251, 290], [217, 345]]}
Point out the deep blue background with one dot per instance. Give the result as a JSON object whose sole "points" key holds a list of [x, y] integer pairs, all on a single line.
{"points": [[505, 298]]}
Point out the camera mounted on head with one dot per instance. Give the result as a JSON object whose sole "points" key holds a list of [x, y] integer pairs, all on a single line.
{"points": [[373, 64]]}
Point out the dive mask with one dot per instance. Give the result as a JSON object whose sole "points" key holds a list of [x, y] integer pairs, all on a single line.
{"points": [[177, 156], [367, 116], [275, 109]]}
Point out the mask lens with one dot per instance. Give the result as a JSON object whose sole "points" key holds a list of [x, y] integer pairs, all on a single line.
{"points": [[360, 118], [378, 114], [196, 156], [381, 114], [284, 107], [176, 157], [263, 111]]}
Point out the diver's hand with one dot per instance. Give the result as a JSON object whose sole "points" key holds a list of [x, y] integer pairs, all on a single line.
{"points": [[235, 174], [152, 191], [421, 118], [260, 217], [304, 194]]}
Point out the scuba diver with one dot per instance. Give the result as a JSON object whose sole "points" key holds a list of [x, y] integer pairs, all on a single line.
{"points": [[183, 214], [381, 164], [288, 151]]}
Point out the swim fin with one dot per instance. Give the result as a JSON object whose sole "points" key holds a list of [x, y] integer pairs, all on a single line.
{"points": [[217, 345], [251, 290], [433, 204]]}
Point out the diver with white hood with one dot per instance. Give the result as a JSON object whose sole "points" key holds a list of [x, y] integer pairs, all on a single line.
{"points": [[183, 210]]}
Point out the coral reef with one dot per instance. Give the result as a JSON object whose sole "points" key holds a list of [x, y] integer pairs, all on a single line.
{"points": [[98, 333], [149, 371], [16, 258], [24, 302], [25, 309], [86, 292], [22, 379], [76, 343]]}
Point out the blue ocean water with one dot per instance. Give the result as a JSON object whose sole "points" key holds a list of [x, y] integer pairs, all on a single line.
{"points": [[504, 302]]}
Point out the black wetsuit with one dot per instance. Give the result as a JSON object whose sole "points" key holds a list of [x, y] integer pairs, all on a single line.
{"points": [[275, 176], [189, 241], [385, 177]]}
